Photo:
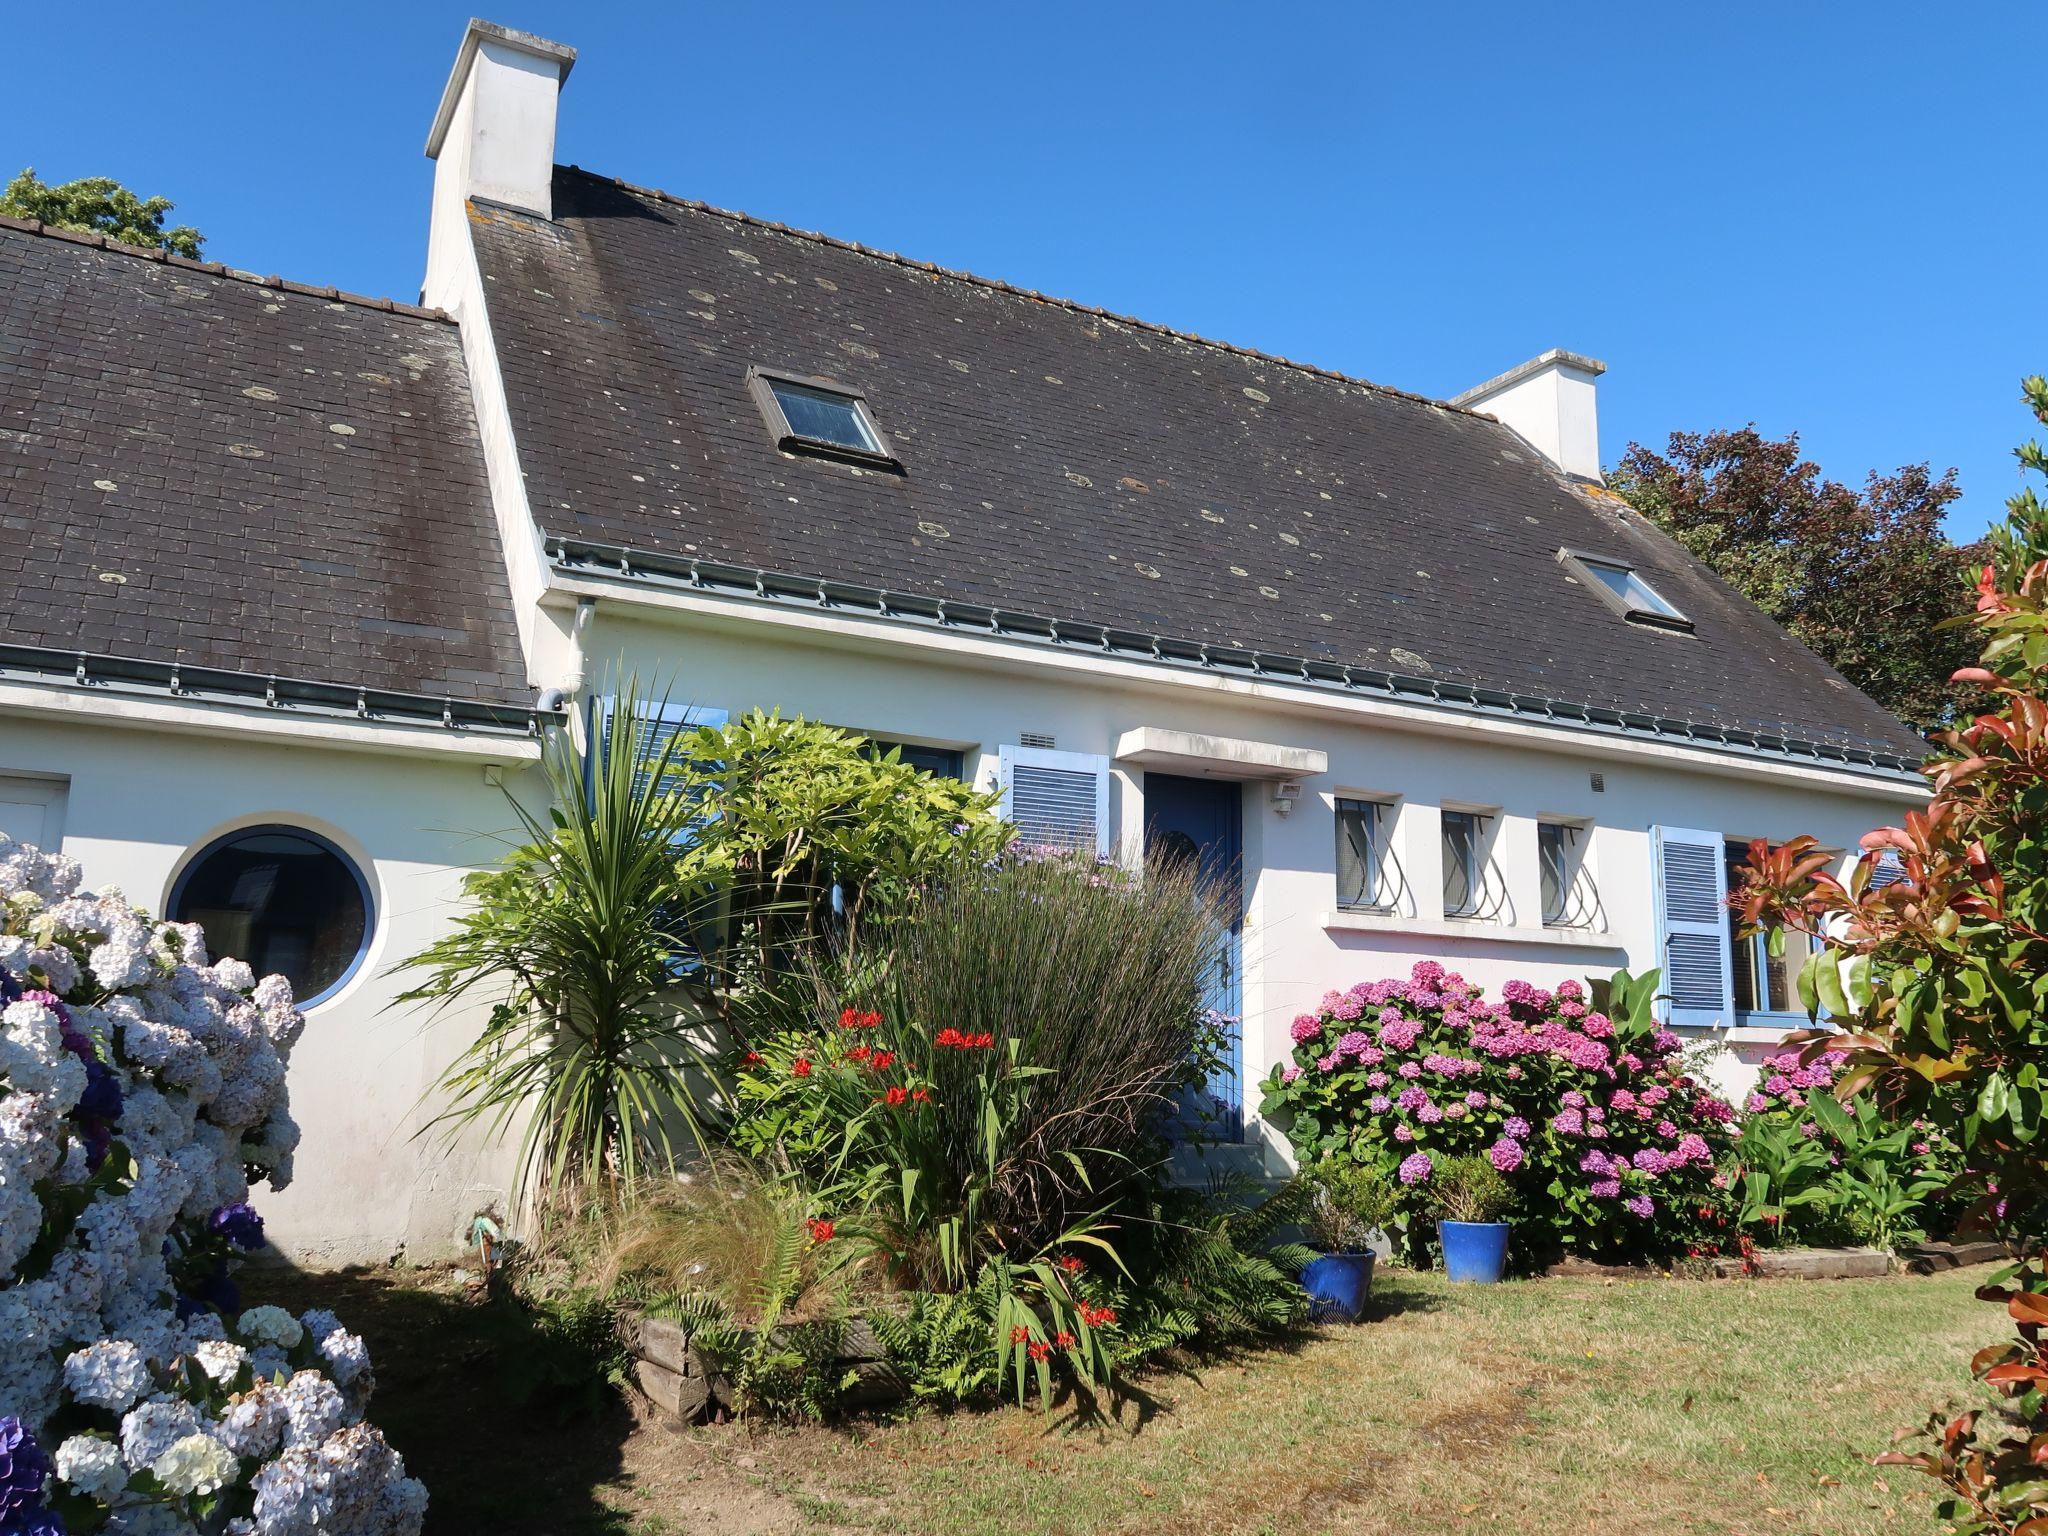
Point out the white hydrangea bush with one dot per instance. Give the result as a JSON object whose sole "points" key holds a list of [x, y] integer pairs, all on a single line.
{"points": [[142, 1088]]}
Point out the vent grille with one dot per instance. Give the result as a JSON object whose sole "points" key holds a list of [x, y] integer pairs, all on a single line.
{"points": [[1040, 739]]}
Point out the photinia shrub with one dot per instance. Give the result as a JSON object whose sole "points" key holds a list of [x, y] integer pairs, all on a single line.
{"points": [[1609, 1146]]}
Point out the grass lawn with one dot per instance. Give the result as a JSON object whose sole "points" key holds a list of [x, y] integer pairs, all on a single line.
{"points": [[1531, 1407]]}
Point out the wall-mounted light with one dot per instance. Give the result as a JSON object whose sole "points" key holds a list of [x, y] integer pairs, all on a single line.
{"points": [[1285, 793]]}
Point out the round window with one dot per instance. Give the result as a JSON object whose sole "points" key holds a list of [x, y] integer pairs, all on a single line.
{"points": [[285, 900]]}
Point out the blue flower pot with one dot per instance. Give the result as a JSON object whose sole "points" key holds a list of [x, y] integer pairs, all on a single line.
{"points": [[1475, 1252], [1337, 1285]]}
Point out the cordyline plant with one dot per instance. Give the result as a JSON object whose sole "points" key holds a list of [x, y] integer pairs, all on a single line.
{"points": [[581, 941], [1940, 984]]}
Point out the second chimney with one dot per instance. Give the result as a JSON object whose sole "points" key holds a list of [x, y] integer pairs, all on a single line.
{"points": [[1551, 401]]}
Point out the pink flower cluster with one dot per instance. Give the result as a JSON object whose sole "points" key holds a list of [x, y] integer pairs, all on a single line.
{"points": [[1539, 1081], [1788, 1082]]}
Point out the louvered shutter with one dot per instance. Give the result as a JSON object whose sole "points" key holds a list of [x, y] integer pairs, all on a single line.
{"points": [[1692, 926], [1056, 799], [1889, 869], [657, 726]]}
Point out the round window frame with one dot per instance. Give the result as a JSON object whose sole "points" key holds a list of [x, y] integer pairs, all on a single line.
{"points": [[213, 845]]}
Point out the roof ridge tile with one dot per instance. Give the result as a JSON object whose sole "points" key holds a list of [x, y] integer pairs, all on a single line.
{"points": [[98, 241], [998, 285]]}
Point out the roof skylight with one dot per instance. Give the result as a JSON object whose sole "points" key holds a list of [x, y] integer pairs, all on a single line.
{"points": [[818, 416], [1623, 589]]}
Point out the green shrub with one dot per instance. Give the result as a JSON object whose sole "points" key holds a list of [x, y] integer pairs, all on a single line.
{"points": [[1812, 1170], [1468, 1189], [1350, 1202]]}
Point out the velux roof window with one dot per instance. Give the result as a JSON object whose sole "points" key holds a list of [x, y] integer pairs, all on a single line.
{"points": [[1623, 589], [819, 416]]}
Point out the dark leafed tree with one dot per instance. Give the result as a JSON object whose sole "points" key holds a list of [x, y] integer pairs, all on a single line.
{"points": [[1860, 577], [104, 207]]}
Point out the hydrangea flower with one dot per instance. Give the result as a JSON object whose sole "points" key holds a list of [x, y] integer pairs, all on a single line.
{"points": [[1416, 1168], [117, 1031]]}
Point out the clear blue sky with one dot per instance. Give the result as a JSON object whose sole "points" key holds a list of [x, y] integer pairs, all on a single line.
{"points": [[1815, 217]]}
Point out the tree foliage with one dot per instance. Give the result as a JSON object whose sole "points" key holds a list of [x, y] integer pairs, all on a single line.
{"points": [[101, 206], [1862, 578], [1941, 982]]}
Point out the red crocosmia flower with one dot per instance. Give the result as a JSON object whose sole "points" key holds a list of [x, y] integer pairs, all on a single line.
{"points": [[1041, 1350], [801, 1066], [1072, 1264], [1019, 1335], [1097, 1317], [849, 1018], [883, 1060], [859, 1053], [981, 1042], [921, 1096], [751, 1059], [895, 1097], [1064, 1339], [821, 1230], [949, 1038]]}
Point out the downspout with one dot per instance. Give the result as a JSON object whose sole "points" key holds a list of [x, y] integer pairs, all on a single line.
{"points": [[575, 674]]}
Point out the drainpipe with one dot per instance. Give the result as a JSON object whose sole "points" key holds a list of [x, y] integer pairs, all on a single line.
{"points": [[575, 675]]}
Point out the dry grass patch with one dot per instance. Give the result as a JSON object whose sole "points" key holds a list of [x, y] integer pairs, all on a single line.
{"points": [[1535, 1408]]}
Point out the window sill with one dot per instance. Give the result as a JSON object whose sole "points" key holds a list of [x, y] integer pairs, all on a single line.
{"points": [[1468, 928], [1752, 1028]]}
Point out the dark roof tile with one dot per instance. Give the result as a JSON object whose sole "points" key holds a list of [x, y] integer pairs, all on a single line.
{"points": [[1086, 467], [172, 423]]}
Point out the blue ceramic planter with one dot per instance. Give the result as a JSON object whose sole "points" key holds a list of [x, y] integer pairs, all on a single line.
{"points": [[1337, 1285], [1475, 1252]]}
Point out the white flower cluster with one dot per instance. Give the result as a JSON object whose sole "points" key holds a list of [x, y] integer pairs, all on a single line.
{"points": [[141, 1088]]}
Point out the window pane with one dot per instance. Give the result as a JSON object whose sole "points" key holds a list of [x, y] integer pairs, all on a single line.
{"points": [[945, 762], [1461, 844], [1741, 952], [1550, 849], [1629, 587], [280, 900], [823, 417], [1359, 855]]}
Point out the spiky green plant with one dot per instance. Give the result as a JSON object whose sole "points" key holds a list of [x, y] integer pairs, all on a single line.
{"points": [[592, 1044]]}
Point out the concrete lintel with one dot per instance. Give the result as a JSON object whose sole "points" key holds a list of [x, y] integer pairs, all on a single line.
{"points": [[1216, 757]]}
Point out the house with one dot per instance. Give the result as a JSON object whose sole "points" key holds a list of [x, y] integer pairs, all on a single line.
{"points": [[296, 579]]}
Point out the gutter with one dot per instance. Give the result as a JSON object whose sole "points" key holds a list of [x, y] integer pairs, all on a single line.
{"points": [[656, 571], [134, 678]]}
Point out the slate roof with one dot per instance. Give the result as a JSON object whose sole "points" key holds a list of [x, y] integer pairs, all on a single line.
{"points": [[1069, 463], [251, 475]]}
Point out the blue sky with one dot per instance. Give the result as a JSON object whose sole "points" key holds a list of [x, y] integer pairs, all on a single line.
{"points": [[1820, 218]]}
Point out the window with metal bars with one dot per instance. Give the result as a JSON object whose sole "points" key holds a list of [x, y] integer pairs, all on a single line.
{"points": [[1363, 877]]}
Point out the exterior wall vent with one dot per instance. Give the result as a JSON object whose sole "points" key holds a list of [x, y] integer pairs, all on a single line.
{"points": [[1040, 739]]}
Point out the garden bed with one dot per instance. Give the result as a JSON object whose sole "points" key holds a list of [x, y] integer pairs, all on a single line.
{"points": [[678, 1380], [1800, 1264]]}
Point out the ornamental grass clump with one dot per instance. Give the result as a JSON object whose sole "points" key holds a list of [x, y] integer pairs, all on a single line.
{"points": [[1576, 1096], [142, 1088], [982, 1098]]}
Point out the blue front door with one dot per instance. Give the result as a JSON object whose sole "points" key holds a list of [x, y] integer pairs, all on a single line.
{"points": [[1202, 820]]}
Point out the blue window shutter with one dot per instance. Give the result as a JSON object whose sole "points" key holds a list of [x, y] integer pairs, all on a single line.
{"points": [[1056, 799], [1889, 869], [660, 725], [1692, 926]]}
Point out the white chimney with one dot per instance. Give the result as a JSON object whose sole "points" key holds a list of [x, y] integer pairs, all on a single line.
{"points": [[1550, 401], [493, 137]]}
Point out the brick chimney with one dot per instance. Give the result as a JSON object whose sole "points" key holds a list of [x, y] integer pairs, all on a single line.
{"points": [[1551, 401]]}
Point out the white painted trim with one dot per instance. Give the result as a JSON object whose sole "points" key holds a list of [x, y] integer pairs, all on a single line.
{"points": [[1022, 656], [1469, 929], [261, 723]]}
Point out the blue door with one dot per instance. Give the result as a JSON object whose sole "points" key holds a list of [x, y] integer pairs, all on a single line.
{"points": [[1202, 820]]}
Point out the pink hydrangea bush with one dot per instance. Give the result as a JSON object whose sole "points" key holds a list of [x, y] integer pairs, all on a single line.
{"points": [[1612, 1150]]}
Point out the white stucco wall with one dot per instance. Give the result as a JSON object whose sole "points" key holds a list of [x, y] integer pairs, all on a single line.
{"points": [[136, 803], [1297, 945]]}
